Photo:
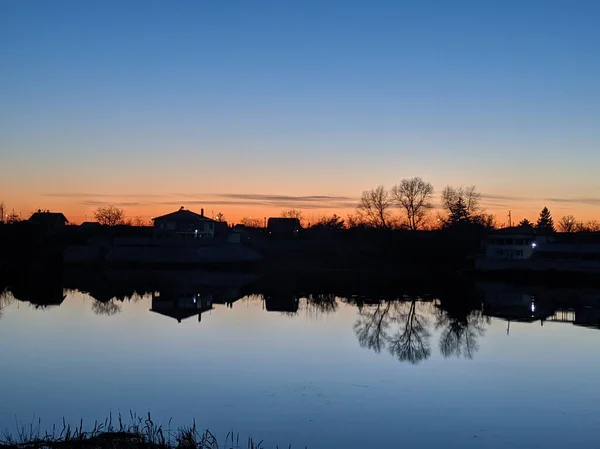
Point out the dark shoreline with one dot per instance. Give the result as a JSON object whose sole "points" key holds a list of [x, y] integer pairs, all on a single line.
{"points": [[138, 433]]}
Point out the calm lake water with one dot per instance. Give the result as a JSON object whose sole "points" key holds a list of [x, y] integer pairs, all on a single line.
{"points": [[517, 368]]}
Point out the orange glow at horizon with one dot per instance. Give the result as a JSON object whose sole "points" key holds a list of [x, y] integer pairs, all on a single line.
{"points": [[78, 213]]}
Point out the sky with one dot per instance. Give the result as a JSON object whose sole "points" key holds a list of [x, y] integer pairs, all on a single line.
{"points": [[248, 108]]}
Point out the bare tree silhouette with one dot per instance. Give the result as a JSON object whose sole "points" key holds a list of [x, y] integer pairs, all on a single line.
{"points": [[567, 224], [375, 207], [356, 221], [139, 221], [461, 203], [415, 197], [589, 226], [109, 215], [251, 222], [292, 213], [334, 223], [12, 218]]}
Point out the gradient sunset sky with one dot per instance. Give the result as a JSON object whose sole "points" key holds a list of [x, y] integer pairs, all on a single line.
{"points": [[251, 107]]}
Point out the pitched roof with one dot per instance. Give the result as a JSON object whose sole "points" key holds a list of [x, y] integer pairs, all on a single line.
{"points": [[515, 230], [179, 313], [184, 214], [47, 218]]}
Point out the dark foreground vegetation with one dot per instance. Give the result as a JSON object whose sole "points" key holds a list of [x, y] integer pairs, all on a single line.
{"points": [[137, 433], [316, 249]]}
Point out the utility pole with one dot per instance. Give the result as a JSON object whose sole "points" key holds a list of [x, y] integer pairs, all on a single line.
{"points": [[509, 219]]}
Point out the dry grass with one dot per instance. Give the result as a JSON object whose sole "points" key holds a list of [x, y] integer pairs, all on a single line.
{"points": [[137, 433]]}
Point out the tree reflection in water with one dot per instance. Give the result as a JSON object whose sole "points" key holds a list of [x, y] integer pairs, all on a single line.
{"points": [[459, 334], [321, 304], [5, 300], [371, 326], [401, 327], [411, 341], [106, 308]]}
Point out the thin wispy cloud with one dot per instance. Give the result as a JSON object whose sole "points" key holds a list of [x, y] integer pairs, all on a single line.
{"points": [[588, 201], [290, 198], [271, 200], [219, 199], [493, 197], [267, 200], [101, 195], [188, 202], [282, 204], [98, 203], [265, 197]]}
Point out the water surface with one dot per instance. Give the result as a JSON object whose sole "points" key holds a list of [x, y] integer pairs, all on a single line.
{"points": [[316, 370]]}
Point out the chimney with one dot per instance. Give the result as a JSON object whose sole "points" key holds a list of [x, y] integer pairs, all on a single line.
{"points": [[202, 212]]}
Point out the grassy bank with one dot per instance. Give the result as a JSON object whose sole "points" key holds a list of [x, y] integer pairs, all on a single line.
{"points": [[135, 433]]}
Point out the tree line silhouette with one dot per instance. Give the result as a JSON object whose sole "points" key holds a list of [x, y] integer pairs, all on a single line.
{"points": [[406, 205], [410, 205], [388, 320]]}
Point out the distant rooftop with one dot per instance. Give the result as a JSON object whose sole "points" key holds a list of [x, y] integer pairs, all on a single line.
{"points": [[515, 230], [47, 218], [183, 213]]}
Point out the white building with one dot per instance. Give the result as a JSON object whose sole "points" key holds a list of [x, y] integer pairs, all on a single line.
{"points": [[517, 242]]}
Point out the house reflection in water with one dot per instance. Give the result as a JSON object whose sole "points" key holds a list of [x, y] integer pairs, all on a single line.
{"points": [[514, 305], [226, 296], [580, 315], [281, 303], [181, 305], [580, 307]]}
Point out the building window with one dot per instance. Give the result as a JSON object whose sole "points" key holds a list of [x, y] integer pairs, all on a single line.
{"points": [[519, 242], [499, 253], [509, 241], [519, 253], [500, 241], [211, 226]]}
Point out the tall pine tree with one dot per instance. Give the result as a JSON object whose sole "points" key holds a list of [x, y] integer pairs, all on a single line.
{"points": [[459, 213], [545, 223]]}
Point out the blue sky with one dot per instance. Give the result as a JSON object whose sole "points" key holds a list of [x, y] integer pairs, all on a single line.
{"points": [[304, 98]]}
